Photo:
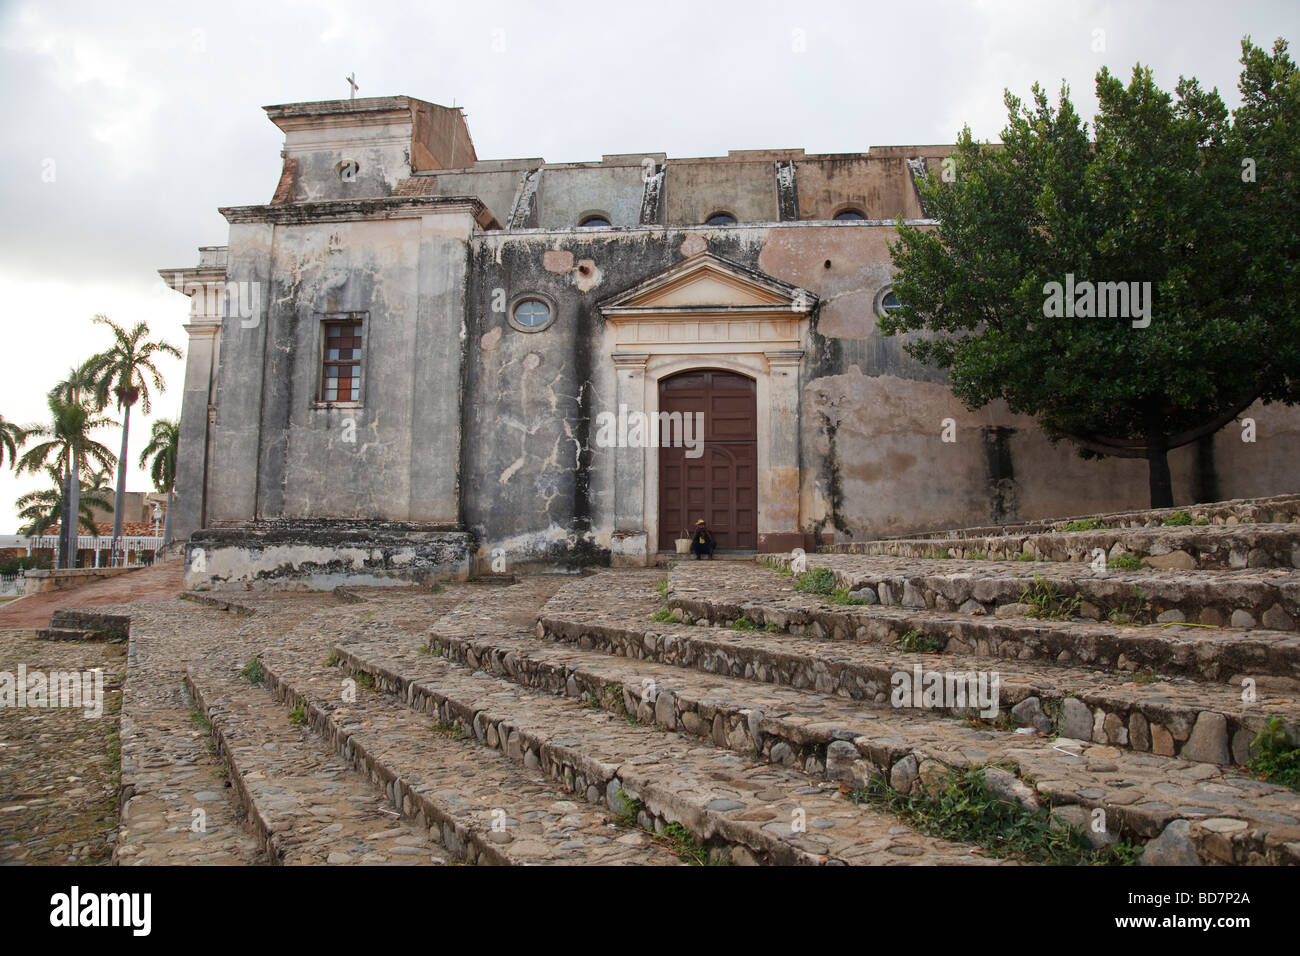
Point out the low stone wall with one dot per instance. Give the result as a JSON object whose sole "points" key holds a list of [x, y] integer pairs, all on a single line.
{"points": [[66, 579], [322, 555]]}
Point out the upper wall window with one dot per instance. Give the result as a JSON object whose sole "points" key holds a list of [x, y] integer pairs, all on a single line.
{"points": [[720, 219], [887, 302], [849, 215], [341, 365], [594, 222], [531, 312]]}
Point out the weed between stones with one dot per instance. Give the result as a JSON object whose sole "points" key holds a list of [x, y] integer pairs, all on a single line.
{"points": [[917, 642], [966, 810], [675, 838], [1277, 759], [298, 714], [1090, 524], [1047, 602], [252, 671], [662, 616], [816, 581]]}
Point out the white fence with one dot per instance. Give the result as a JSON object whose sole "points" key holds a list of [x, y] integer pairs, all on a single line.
{"points": [[11, 584], [131, 550]]}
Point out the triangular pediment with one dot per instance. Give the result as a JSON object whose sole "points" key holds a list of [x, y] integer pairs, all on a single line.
{"points": [[707, 283]]}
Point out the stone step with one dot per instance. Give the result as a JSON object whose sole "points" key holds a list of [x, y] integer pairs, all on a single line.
{"points": [[67, 634], [737, 807], [824, 733], [487, 808], [1210, 722], [771, 601], [168, 772], [305, 805], [1168, 548], [1279, 509], [1247, 599]]}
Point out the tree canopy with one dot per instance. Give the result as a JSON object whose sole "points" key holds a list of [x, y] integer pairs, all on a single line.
{"points": [[1189, 218]]}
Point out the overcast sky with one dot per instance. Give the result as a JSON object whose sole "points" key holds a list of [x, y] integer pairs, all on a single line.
{"points": [[127, 124]]}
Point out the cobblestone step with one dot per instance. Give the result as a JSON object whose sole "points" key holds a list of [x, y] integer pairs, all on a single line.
{"points": [[1270, 598], [304, 804], [1140, 795], [1207, 722], [770, 600], [746, 809], [486, 808], [169, 769], [1168, 548], [1279, 509]]}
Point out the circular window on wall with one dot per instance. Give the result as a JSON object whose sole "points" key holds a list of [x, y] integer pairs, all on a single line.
{"points": [[531, 312], [887, 303]]}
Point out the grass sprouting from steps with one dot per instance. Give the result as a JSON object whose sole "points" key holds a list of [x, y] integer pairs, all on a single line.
{"points": [[816, 581], [1090, 524], [662, 616], [675, 838], [252, 671], [1128, 562], [966, 810], [1277, 759], [298, 714], [1179, 519], [916, 641], [745, 624], [1047, 602]]}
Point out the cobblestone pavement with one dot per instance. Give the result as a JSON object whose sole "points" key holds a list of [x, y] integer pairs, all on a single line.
{"points": [[58, 767], [161, 582]]}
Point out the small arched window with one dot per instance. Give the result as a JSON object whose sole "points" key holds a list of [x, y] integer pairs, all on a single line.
{"points": [[887, 302], [721, 219], [849, 215], [594, 222]]}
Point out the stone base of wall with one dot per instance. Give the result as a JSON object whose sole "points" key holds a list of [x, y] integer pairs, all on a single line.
{"points": [[318, 555]]}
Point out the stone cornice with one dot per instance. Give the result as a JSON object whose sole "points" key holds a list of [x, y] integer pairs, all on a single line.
{"points": [[349, 210]]}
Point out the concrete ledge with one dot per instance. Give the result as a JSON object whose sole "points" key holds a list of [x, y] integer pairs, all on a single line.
{"points": [[66, 579], [314, 555]]}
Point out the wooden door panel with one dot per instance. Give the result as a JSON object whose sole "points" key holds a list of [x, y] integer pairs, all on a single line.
{"points": [[722, 485]]}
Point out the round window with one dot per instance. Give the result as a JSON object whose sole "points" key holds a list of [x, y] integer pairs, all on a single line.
{"points": [[531, 313], [887, 302], [721, 219], [849, 215], [594, 222]]}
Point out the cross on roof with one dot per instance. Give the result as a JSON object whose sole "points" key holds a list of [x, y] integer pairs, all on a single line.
{"points": [[352, 82]]}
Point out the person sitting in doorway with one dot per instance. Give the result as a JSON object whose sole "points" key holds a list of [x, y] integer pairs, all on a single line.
{"points": [[702, 541]]}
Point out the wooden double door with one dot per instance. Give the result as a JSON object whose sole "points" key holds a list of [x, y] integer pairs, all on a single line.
{"points": [[721, 485]]}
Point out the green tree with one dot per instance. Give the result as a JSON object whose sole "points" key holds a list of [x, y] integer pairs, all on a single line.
{"points": [[11, 440], [123, 372], [1160, 195], [163, 442], [65, 444], [44, 508]]}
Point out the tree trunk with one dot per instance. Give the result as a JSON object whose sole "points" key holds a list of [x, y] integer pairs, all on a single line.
{"points": [[61, 559], [1162, 492], [167, 519], [74, 513], [119, 499]]}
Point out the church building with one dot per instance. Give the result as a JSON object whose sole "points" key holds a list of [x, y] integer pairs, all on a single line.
{"points": [[414, 363]]}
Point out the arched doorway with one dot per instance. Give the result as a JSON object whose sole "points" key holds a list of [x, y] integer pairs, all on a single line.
{"points": [[721, 484]]}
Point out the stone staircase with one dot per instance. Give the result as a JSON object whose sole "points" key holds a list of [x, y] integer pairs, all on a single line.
{"points": [[714, 712]]}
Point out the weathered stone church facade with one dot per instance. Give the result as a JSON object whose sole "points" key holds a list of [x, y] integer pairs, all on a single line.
{"points": [[414, 362]]}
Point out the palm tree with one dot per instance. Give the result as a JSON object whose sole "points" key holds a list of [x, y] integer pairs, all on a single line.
{"points": [[76, 388], [67, 442], [43, 509], [11, 439], [121, 370], [162, 449]]}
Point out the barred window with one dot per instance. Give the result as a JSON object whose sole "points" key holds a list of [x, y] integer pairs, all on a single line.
{"points": [[341, 367]]}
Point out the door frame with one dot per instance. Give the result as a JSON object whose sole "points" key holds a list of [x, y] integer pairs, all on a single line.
{"points": [[760, 425]]}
